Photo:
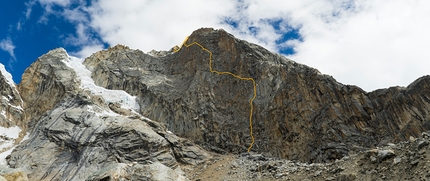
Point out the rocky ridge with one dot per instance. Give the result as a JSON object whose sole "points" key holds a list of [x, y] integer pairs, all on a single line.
{"points": [[124, 114], [12, 117]]}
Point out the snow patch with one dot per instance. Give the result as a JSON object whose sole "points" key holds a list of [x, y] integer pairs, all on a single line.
{"points": [[7, 75], [8, 99], [6, 153], [110, 96], [11, 132], [7, 140], [5, 98], [16, 107], [6, 144], [3, 156], [102, 112]]}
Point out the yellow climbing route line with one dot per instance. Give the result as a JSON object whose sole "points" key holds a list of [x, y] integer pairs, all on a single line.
{"points": [[176, 49]]}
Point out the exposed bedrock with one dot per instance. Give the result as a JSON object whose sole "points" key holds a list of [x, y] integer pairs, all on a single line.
{"points": [[299, 113]]}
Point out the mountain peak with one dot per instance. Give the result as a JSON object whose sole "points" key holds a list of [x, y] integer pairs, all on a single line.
{"points": [[124, 112]]}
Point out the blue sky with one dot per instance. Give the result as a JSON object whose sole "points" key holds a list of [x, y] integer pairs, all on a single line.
{"points": [[372, 44], [31, 37]]}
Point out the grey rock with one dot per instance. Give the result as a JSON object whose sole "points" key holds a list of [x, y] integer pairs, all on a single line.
{"points": [[385, 154], [12, 113], [425, 135], [373, 159], [412, 139], [422, 143], [234, 165], [280, 175], [415, 162], [346, 177], [397, 160], [184, 150], [76, 140], [45, 83], [299, 113], [120, 171], [317, 173], [330, 178], [10, 104]]}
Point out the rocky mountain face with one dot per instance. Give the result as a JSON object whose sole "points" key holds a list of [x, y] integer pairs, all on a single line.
{"points": [[77, 133], [11, 103], [125, 114], [12, 117], [299, 113]]}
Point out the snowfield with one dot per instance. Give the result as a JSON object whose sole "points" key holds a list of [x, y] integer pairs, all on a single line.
{"points": [[110, 96]]}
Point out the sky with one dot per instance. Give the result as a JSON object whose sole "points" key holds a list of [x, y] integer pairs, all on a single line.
{"points": [[368, 43]]}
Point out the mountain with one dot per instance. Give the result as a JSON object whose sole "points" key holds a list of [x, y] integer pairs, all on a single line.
{"points": [[11, 114], [123, 113]]}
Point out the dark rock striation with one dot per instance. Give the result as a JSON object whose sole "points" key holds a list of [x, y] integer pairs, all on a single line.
{"points": [[77, 134], [45, 83], [299, 113]]}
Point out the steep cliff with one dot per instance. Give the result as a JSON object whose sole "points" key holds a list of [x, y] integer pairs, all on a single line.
{"points": [[125, 114], [81, 131], [299, 113]]}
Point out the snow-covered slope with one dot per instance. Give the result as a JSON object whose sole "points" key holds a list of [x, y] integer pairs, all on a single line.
{"points": [[7, 75], [110, 96], [7, 139]]}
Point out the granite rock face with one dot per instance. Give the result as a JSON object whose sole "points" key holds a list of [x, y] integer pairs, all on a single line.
{"points": [[122, 114], [45, 83], [82, 134], [299, 113], [78, 139]]}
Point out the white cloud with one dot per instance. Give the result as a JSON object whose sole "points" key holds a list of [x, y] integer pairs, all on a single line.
{"points": [[63, 3], [151, 25], [372, 44], [29, 5], [87, 50], [7, 46]]}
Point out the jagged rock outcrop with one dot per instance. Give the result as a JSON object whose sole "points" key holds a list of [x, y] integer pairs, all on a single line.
{"points": [[82, 134], [74, 141], [12, 116], [299, 113], [45, 83], [11, 112]]}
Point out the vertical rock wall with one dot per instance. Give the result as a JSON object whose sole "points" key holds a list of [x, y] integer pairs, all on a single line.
{"points": [[299, 113]]}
